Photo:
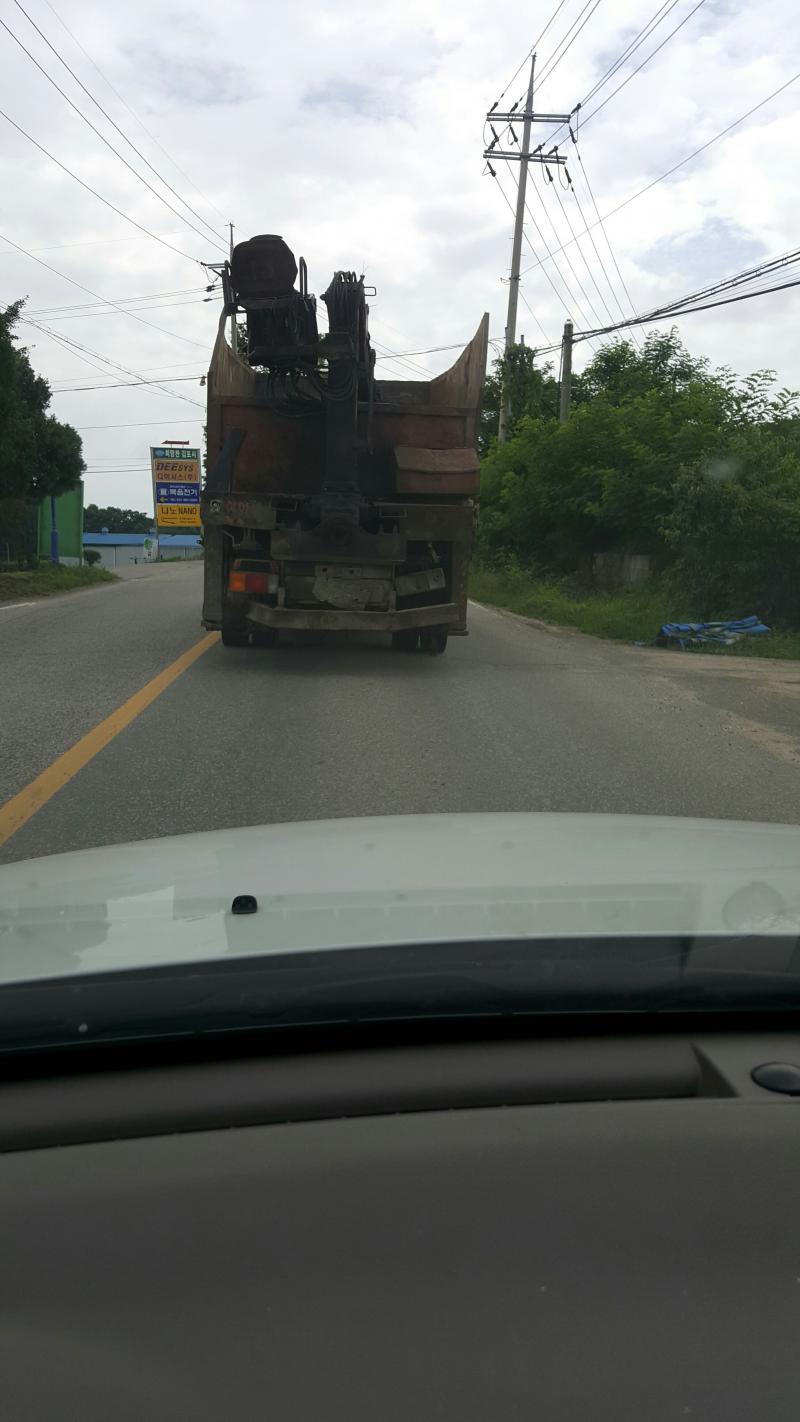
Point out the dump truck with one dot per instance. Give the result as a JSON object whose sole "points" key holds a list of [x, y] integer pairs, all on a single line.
{"points": [[334, 500]]}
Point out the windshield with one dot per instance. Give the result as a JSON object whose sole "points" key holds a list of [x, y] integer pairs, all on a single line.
{"points": [[435, 585]]}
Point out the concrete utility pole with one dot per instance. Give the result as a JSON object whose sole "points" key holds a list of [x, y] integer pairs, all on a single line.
{"points": [[516, 248], [234, 342], [524, 157], [566, 373]]}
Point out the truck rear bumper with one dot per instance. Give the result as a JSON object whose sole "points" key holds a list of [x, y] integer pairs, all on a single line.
{"points": [[331, 619]]}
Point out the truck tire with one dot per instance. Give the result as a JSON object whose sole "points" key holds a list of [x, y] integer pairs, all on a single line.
{"points": [[433, 640], [234, 633], [405, 641]]}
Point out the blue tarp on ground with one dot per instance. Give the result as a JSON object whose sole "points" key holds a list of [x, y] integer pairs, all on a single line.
{"points": [[698, 634]]}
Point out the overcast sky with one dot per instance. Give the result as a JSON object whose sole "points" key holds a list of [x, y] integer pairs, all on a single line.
{"points": [[355, 130]]}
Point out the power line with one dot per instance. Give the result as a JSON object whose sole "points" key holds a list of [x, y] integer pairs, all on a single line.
{"points": [[652, 24], [531, 51], [680, 308], [535, 44], [541, 36], [546, 245], [56, 380], [641, 66], [121, 309], [384, 354], [728, 300], [132, 113], [381, 321], [95, 364], [688, 159], [703, 147], [123, 300], [98, 242], [102, 136], [414, 366], [750, 274], [603, 230], [157, 306], [119, 384], [137, 424], [431, 350], [532, 313], [551, 64], [118, 210], [603, 268], [696, 301], [510, 205], [405, 369], [589, 271], [587, 232], [114, 124], [84, 351]]}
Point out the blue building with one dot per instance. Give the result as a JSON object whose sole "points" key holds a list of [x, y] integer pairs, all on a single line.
{"points": [[179, 545], [119, 550]]}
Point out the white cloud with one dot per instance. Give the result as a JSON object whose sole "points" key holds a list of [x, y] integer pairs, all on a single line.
{"points": [[356, 132]]}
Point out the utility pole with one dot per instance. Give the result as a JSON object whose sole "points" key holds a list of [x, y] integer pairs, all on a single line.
{"points": [[566, 373], [516, 248], [523, 156], [234, 341]]}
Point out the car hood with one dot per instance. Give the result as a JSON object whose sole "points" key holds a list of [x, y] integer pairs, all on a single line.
{"points": [[394, 880]]}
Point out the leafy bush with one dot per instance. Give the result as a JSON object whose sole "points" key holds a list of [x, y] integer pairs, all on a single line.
{"points": [[701, 471], [735, 526], [91, 556]]}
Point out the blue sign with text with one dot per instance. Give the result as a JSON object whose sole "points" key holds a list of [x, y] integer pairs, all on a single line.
{"points": [[177, 493]]}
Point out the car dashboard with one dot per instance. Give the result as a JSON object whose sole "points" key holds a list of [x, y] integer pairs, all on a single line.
{"points": [[592, 1220]]}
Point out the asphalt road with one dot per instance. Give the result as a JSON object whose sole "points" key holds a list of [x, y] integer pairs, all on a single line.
{"points": [[515, 717]]}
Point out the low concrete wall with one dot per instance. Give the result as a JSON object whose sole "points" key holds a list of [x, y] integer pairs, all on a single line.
{"points": [[615, 570]]}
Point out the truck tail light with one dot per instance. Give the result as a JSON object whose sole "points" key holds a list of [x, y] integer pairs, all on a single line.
{"points": [[261, 580]]}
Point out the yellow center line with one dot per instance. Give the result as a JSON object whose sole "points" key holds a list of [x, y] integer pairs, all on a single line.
{"points": [[19, 809]]}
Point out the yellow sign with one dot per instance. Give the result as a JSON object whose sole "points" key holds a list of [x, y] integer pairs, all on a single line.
{"points": [[182, 470], [178, 515], [176, 486]]}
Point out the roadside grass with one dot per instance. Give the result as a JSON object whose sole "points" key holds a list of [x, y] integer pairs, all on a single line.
{"points": [[632, 615], [16, 585]]}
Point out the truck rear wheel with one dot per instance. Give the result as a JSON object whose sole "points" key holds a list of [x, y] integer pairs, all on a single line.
{"points": [[405, 641], [235, 632], [433, 640]]}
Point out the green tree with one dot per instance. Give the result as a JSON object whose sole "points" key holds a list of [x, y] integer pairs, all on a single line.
{"points": [[604, 479], [38, 454], [699, 468], [619, 372], [531, 390], [116, 520], [735, 524], [661, 454]]}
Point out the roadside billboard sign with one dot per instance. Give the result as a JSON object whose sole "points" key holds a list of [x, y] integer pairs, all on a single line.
{"points": [[176, 486]]}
